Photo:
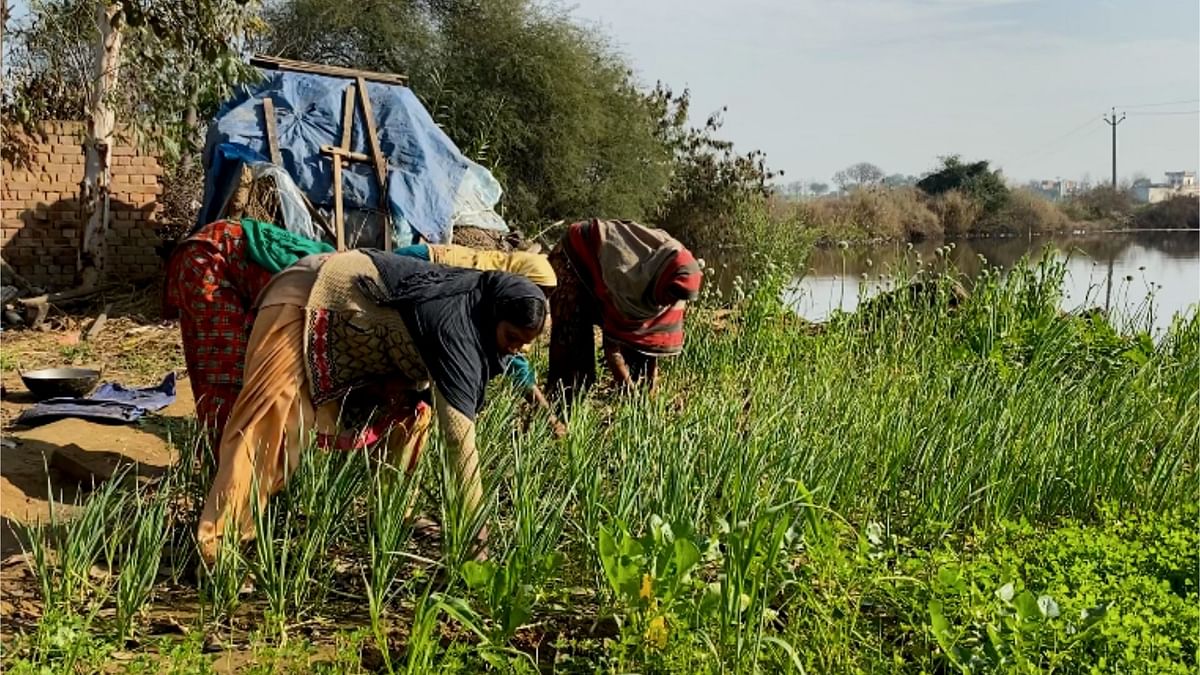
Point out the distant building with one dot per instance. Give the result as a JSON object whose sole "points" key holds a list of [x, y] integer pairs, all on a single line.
{"points": [[1181, 180], [1179, 183], [1055, 190]]}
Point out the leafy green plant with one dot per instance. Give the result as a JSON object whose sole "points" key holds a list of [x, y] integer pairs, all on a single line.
{"points": [[505, 599], [650, 576], [1019, 631]]}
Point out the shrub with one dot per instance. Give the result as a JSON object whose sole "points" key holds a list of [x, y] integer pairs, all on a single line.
{"points": [[957, 213], [917, 219], [1176, 213], [975, 179], [1104, 203], [878, 213], [711, 184], [1027, 212]]}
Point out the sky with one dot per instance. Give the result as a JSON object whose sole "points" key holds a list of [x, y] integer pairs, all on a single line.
{"points": [[822, 84]]}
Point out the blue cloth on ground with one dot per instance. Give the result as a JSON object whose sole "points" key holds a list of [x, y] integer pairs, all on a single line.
{"points": [[152, 399], [112, 402], [431, 185]]}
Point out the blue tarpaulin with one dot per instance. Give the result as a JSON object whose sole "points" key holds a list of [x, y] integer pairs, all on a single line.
{"points": [[431, 185]]}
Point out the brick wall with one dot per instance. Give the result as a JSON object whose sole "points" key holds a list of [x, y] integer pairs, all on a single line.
{"points": [[39, 209]]}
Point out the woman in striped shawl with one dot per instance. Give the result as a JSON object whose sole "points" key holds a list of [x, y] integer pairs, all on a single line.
{"points": [[632, 281]]}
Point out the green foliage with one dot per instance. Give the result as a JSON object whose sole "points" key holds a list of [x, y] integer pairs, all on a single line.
{"points": [[1119, 595], [712, 185], [974, 179], [545, 103], [176, 57]]}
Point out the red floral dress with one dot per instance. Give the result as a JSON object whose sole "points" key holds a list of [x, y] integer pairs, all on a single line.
{"points": [[213, 284]]}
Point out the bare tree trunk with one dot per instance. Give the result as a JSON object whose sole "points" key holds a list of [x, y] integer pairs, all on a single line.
{"points": [[191, 120], [94, 190], [4, 21]]}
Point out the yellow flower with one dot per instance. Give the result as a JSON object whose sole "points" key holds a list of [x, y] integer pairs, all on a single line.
{"points": [[647, 592], [656, 632]]}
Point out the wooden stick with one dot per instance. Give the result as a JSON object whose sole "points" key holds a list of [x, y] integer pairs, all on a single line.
{"points": [[317, 216], [274, 63], [344, 154], [347, 116], [272, 134], [67, 296], [98, 324], [338, 224], [337, 153], [385, 220], [339, 220], [10, 277], [38, 308]]}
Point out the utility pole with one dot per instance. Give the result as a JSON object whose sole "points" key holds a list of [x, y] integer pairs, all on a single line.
{"points": [[1113, 122]]}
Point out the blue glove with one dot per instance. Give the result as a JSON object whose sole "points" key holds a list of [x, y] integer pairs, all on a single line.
{"points": [[519, 370], [418, 251]]}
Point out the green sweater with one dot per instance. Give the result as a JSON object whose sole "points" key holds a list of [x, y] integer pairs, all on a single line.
{"points": [[275, 248]]}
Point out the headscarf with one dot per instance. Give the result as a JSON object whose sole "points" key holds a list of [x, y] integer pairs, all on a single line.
{"points": [[642, 278], [637, 264], [274, 248], [532, 266], [451, 314]]}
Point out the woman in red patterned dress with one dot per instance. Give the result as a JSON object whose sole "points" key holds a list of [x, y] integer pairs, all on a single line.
{"points": [[212, 283]]}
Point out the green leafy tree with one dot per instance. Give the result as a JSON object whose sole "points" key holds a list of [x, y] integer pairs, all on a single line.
{"points": [[150, 65], [712, 183], [973, 179], [546, 104]]}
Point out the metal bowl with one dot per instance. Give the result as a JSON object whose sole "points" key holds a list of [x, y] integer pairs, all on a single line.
{"points": [[55, 382]]}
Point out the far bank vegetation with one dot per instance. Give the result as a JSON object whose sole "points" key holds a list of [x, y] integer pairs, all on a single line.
{"points": [[962, 199]]}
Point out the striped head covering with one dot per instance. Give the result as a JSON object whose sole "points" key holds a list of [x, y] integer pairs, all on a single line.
{"points": [[642, 277]]}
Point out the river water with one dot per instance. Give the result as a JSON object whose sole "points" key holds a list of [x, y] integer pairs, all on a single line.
{"points": [[1143, 278]]}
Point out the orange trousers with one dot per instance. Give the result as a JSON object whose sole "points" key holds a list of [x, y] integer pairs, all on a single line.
{"points": [[272, 422]]}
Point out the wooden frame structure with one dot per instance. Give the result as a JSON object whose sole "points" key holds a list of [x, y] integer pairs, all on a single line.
{"points": [[355, 93]]}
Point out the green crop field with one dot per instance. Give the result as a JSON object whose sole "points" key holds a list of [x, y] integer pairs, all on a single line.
{"points": [[918, 487]]}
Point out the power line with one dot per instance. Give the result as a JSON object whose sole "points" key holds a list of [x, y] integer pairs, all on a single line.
{"points": [[1159, 105], [1166, 112], [1050, 145], [1044, 147]]}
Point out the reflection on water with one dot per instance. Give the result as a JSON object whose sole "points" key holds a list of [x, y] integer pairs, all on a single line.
{"points": [[1154, 275]]}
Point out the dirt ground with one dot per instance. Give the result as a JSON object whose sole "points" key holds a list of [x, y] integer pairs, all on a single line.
{"points": [[134, 348]]}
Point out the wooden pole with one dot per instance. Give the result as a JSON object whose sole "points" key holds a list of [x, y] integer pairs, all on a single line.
{"points": [[347, 123], [274, 63], [272, 133], [385, 216]]}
